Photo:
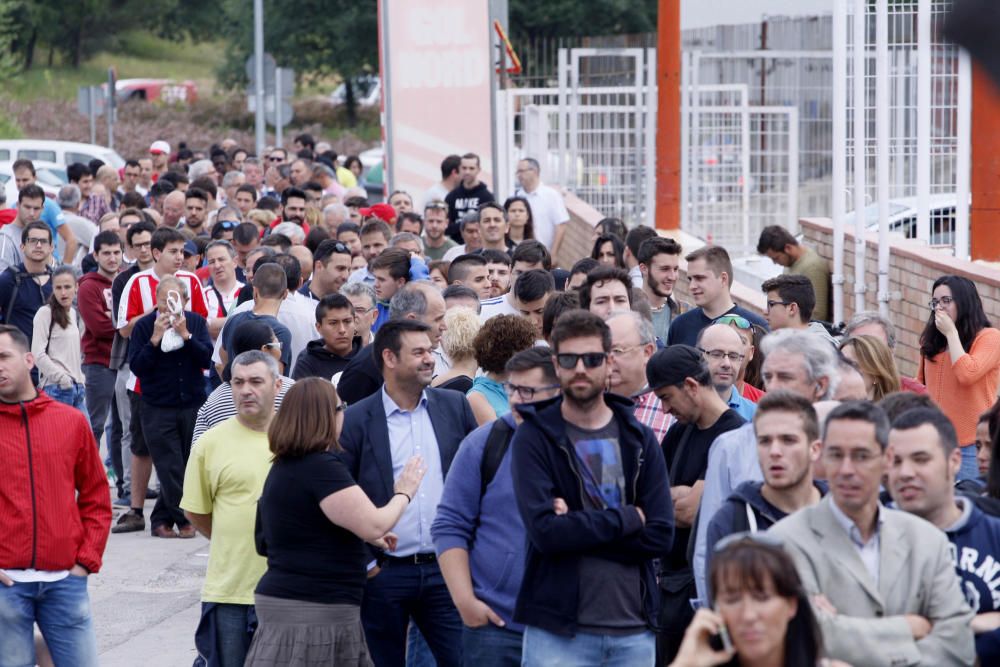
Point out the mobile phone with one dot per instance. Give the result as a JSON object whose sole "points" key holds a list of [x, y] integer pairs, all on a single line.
{"points": [[721, 641]]}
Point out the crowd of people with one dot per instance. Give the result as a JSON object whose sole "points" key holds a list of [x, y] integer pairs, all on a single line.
{"points": [[412, 438]]}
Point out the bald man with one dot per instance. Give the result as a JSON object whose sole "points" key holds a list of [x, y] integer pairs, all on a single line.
{"points": [[724, 351], [173, 209]]}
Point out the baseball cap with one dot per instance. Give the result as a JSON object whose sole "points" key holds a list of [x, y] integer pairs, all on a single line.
{"points": [[190, 249], [670, 366], [160, 147], [380, 211]]}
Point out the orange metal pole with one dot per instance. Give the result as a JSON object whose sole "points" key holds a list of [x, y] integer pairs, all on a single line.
{"points": [[668, 116], [984, 213]]}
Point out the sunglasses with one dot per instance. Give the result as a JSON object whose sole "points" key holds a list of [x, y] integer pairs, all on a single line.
{"points": [[273, 345], [568, 360], [739, 321], [227, 224]]}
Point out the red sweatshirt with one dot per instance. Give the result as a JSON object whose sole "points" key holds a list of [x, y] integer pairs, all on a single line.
{"points": [[55, 508], [94, 300]]}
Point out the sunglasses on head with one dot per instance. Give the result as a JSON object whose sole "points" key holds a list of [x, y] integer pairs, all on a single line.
{"points": [[568, 360], [227, 224], [739, 321]]}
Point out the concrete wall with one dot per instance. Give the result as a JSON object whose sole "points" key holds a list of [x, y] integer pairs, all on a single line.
{"points": [[913, 268]]}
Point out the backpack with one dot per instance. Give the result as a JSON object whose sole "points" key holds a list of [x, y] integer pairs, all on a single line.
{"points": [[497, 442]]}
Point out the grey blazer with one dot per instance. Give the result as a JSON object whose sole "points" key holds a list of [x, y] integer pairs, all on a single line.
{"points": [[916, 576]]}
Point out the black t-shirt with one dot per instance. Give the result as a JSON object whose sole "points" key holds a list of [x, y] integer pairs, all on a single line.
{"points": [[684, 328], [685, 449], [460, 201], [308, 557]]}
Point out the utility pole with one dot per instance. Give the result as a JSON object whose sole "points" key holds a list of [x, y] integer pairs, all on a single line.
{"points": [[258, 63]]}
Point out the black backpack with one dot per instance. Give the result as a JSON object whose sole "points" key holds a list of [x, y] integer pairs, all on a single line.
{"points": [[501, 433]]}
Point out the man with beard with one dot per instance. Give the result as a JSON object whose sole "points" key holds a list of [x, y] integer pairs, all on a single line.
{"points": [[659, 261], [591, 487], [681, 379]]}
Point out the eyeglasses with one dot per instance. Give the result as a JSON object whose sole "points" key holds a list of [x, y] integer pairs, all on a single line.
{"points": [[273, 345], [719, 355], [363, 311], [943, 301], [36, 241], [273, 158], [526, 393], [619, 351], [772, 304], [746, 536], [738, 320], [140, 246], [568, 360]]}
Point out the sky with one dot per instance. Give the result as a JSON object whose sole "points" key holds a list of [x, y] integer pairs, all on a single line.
{"points": [[701, 13]]}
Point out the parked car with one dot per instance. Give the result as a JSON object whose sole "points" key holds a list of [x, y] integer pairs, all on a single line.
{"points": [[367, 91], [60, 153], [167, 91], [903, 218], [49, 176]]}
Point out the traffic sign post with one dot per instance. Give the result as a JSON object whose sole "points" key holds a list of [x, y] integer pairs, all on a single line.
{"points": [[111, 107], [274, 97]]}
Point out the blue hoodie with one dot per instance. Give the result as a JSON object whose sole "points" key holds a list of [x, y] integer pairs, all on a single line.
{"points": [[975, 540], [489, 528]]}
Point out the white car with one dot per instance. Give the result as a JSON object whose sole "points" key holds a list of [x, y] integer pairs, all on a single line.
{"points": [[49, 176], [61, 153], [367, 91], [903, 218]]}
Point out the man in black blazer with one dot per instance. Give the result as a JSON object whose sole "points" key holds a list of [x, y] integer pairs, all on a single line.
{"points": [[407, 418]]}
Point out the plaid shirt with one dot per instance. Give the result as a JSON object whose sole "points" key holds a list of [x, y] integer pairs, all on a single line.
{"points": [[649, 411]]}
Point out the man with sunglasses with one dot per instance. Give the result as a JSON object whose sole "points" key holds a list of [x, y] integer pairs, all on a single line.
{"points": [[788, 445], [680, 377], [331, 269], [477, 521], [591, 487], [882, 581]]}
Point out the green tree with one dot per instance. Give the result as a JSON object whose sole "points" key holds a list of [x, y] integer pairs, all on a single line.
{"points": [[530, 19]]}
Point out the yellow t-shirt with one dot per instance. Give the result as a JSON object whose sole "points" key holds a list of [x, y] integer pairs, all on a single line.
{"points": [[346, 177], [225, 478]]}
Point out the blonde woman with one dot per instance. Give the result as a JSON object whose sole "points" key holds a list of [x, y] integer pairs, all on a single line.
{"points": [[462, 326], [875, 361]]}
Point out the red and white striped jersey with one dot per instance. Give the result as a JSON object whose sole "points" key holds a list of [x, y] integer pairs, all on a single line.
{"points": [[139, 295], [229, 297]]}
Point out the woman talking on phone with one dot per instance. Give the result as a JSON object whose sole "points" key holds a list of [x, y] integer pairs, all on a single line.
{"points": [[762, 616], [960, 360]]}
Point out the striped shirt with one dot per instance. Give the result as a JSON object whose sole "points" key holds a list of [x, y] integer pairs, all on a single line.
{"points": [[219, 406], [649, 411], [139, 296], [222, 308]]}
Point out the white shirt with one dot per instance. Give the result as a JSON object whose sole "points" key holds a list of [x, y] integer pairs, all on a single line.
{"points": [[547, 211], [457, 251], [499, 305], [293, 313], [867, 551], [635, 273], [436, 191]]}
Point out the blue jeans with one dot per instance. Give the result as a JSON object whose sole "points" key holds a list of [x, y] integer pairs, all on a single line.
{"points": [[544, 649], [100, 393], [74, 396], [969, 468], [491, 646], [224, 634], [404, 591], [62, 611], [418, 653]]}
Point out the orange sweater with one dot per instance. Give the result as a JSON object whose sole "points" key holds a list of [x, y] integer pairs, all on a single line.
{"points": [[966, 389]]}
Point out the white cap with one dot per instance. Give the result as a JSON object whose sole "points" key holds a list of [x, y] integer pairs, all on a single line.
{"points": [[160, 147]]}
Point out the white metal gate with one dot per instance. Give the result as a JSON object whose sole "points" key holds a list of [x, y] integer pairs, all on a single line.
{"points": [[594, 134]]}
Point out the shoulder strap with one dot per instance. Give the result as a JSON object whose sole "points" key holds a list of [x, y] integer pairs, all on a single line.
{"points": [[52, 324], [496, 446], [18, 277], [222, 305]]}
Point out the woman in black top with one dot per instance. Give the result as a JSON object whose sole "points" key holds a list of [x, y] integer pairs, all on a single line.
{"points": [[312, 524]]}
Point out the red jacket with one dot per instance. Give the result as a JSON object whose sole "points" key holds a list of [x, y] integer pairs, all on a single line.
{"points": [[55, 508], [94, 300]]}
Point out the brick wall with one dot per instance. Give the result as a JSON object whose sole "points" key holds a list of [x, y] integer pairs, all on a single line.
{"points": [[913, 268]]}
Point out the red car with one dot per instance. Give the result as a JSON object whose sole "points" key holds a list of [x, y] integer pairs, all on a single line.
{"points": [[167, 91]]}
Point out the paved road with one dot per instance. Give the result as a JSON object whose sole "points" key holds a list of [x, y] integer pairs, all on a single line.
{"points": [[145, 600]]}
